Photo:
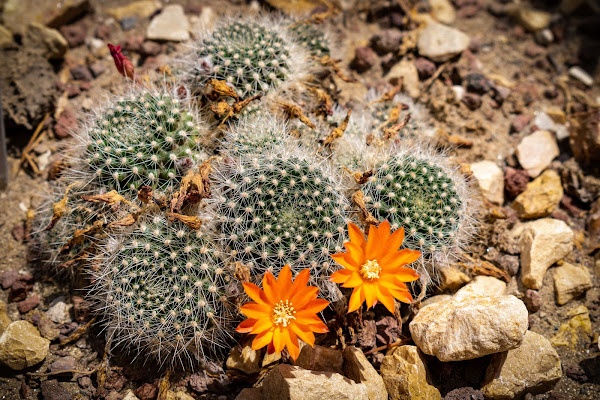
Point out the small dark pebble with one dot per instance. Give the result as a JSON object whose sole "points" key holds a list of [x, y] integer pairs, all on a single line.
{"points": [[64, 364], [515, 181], [387, 41], [97, 68], [19, 290], [7, 278], [81, 73], [53, 390], [149, 48], [477, 83], [533, 300], [72, 91], [471, 100], [18, 232], [146, 392], [85, 381], [425, 67], [74, 34], [520, 122], [576, 373], [193, 9], [67, 122], [128, 23], [465, 393], [85, 86], [364, 59], [103, 32], [67, 328], [133, 43], [534, 50]]}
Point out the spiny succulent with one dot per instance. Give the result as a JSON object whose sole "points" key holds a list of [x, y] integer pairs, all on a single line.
{"points": [[150, 137], [311, 38], [252, 56], [417, 189], [162, 291], [256, 133], [278, 207]]}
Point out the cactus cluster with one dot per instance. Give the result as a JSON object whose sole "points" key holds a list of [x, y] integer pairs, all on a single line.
{"points": [[281, 207], [149, 138], [252, 56], [162, 290], [311, 38]]}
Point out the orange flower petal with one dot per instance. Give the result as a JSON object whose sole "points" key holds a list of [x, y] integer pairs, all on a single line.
{"points": [[370, 294], [255, 310], [354, 280], [304, 333], [262, 340], [340, 276], [372, 243], [291, 342], [404, 274], [403, 296], [255, 293], [319, 327], [344, 261], [316, 306], [356, 235], [386, 298], [245, 326], [270, 288], [262, 325], [399, 258], [302, 297], [301, 280], [355, 300], [396, 239], [355, 255], [307, 318], [279, 339], [284, 281]]}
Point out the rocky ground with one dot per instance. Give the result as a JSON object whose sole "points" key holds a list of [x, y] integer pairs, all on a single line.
{"points": [[512, 88]]}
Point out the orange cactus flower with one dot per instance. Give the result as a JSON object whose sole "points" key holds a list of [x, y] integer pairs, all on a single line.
{"points": [[375, 268], [283, 312]]}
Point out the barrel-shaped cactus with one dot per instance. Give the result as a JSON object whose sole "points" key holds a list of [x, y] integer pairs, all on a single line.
{"points": [[162, 291]]}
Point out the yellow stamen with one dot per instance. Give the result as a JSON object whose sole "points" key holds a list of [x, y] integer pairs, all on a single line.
{"points": [[283, 313], [370, 270]]}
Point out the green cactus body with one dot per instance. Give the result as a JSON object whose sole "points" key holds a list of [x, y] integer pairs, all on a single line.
{"points": [[419, 195], [150, 139], [311, 38], [163, 290], [278, 208], [252, 57]]}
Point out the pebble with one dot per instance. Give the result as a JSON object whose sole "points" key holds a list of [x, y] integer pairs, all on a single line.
{"points": [[477, 83], [531, 19], [582, 76], [491, 180], [536, 152], [360, 370], [364, 59], [425, 67], [4, 320], [533, 300], [571, 281], [482, 286], [405, 374], [64, 364], [549, 121], [97, 68], [74, 34], [520, 122], [406, 72], [387, 41], [171, 24], [253, 393], [543, 242], [28, 304], [128, 23], [441, 43], [515, 181], [21, 346], [545, 37], [320, 358], [54, 390], [245, 359], [291, 382], [576, 330], [147, 391], [443, 11], [103, 32], [452, 278], [129, 395], [435, 299], [534, 367], [18, 14], [541, 197], [47, 40], [8, 278], [459, 92], [471, 100], [472, 327], [81, 73], [149, 48], [66, 123], [140, 9], [585, 137], [59, 311]]}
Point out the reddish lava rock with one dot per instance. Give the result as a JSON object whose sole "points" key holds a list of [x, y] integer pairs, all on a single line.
{"points": [[533, 300], [74, 34], [425, 67], [65, 125], [515, 181], [520, 122], [364, 59], [146, 392], [28, 304]]}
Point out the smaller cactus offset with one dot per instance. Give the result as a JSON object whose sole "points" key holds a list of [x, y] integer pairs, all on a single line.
{"points": [[418, 189], [311, 38], [252, 56], [161, 289], [149, 138], [256, 133], [278, 207]]}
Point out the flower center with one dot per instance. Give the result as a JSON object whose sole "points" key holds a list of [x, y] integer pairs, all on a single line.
{"points": [[283, 313], [370, 270]]}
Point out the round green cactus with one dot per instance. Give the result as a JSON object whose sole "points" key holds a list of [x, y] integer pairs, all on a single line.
{"points": [[162, 291], [147, 139], [252, 56], [422, 194], [311, 38], [281, 207]]}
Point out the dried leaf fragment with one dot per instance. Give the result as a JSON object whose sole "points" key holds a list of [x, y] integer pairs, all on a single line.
{"points": [[324, 102], [387, 96], [221, 88], [192, 222], [359, 199], [111, 198], [195, 186], [293, 111], [360, 177], [392, 131], [242, 272], [60, 207], [80, 235], [327, 61], [337, 132]]}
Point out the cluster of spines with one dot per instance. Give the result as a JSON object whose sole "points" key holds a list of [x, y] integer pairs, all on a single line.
{"points": [[149, 139], [417, 194], [278, 208], [253, 57], [311, 38], [163, 289]]}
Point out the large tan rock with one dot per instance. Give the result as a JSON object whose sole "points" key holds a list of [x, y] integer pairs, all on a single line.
{"points": [[360, 370], [5, 321], [534, 367], [439, 42], [47, 40], [406, 377], [482, 286], [472, 327], [490, 179], [139, 9], [321, 358], [543, 242], [536, 152], [452, 278], [18, 14], [21, 346], [570, 281], [443, 11], [541, 197], [406, 72], [171, 24], [288, 382]]}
